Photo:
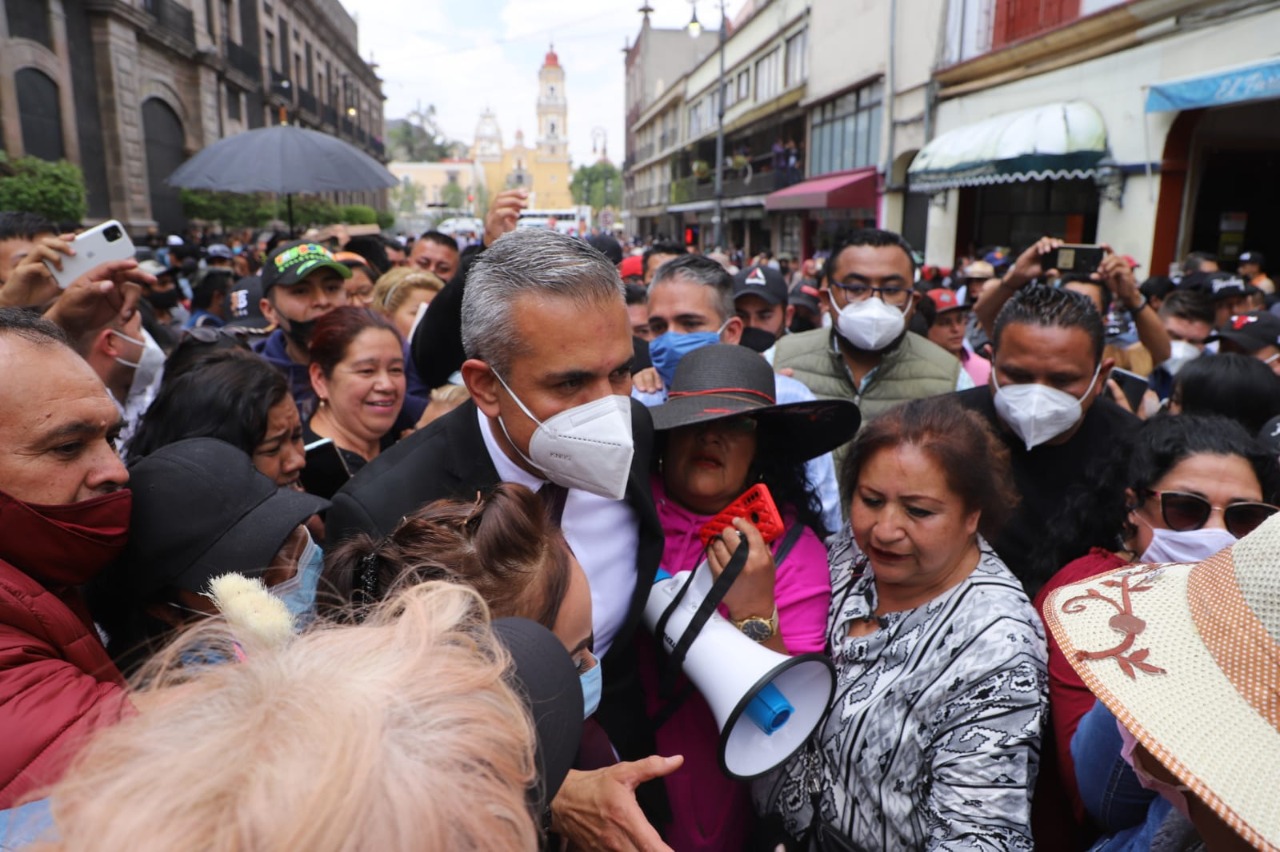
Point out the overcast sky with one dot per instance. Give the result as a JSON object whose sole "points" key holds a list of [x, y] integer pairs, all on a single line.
{"points": [[465, 56]]}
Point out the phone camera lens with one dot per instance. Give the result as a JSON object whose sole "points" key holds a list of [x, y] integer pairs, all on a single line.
{"points": [[112, 234]]}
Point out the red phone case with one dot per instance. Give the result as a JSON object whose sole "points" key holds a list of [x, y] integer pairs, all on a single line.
{"points": [[755, 506]]}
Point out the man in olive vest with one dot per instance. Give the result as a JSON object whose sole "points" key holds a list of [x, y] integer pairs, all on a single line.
{"points": [[868, 355]]}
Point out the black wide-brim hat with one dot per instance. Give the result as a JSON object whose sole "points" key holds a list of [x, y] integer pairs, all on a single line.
{"points": [[201, 509], [722, 380]]}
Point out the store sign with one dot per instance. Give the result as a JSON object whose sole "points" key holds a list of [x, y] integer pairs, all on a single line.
{"points": [[1251, 83]]}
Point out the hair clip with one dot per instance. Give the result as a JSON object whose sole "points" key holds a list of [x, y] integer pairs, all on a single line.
{"points": [[367, 578]]}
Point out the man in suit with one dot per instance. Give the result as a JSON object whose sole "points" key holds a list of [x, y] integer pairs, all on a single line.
{"points": [[548, 344]]}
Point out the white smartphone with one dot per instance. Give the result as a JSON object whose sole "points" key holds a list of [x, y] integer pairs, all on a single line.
{"points": [[94, 247]]}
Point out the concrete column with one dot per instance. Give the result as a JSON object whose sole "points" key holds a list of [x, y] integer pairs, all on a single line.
{"points": [[115, 47], [66, 90], [940, 233]]}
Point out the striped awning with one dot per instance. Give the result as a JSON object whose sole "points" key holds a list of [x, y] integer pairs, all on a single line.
{"points": [[1052, 142]]}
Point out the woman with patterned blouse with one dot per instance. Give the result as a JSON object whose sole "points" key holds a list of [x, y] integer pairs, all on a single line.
{"points": [[932, 740]]}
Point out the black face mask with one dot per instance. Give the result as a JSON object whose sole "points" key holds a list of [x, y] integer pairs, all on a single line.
{"points": [[163, 300], [300, 332], [757, 339], [801, 324]]}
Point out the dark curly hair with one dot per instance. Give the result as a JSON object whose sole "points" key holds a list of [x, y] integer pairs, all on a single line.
{"points": [[1095, 513], [973, 459]]}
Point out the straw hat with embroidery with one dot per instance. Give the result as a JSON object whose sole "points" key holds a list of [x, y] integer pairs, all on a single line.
{"points": [[1187, 657]]}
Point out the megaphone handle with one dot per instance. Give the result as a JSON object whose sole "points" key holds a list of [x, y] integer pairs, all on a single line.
{"points": [[720, 588]]}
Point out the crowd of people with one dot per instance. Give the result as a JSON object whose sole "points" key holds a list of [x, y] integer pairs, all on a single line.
{"points": [[346, 544]]}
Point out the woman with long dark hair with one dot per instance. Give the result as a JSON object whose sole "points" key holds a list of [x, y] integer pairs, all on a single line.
{"points": [[1185, 487]]}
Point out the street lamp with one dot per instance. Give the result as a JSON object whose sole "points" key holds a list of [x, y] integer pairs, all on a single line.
{"points": [[695, 30]]}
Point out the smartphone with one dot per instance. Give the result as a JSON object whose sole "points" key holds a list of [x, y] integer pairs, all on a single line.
{"points": [[1074, 259], [755, 506], [94, 247], [325, 472], [1133, 385]]}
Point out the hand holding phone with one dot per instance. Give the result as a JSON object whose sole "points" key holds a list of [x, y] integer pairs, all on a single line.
{"points": [[1075, 259], [94, 247], [755, 506]]}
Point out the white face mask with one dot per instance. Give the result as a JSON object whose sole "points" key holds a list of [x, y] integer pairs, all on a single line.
{"points": [[1187, 546], [587, 447], [871, 325], [146, 370], [1181, 353], [1039, 413]]}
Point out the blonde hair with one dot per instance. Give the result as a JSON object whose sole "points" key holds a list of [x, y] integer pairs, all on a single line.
{"points": [[394, 287], [399, 734]]}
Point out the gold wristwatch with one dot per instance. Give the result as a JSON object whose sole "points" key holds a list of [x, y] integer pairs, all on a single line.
{"points": [[759, 629]]}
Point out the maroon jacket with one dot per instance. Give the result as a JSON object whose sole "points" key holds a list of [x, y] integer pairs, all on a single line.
{"points": [[57, 683]]}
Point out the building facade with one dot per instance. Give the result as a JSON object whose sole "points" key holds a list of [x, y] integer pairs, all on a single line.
{"points": [[966, 124], [129, 89], [545, 168]]}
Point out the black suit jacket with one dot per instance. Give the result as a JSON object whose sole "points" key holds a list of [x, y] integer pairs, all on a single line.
{"points": [[449, 460]]}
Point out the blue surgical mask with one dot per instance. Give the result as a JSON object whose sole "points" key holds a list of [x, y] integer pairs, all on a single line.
{"points": [[592, 681], [666, 350], [299, 591]]}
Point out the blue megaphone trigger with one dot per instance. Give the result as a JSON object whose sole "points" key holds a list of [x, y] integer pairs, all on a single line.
{"points": [[769, 710]]}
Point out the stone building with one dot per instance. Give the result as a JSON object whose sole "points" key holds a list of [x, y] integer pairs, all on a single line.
{"points": [[543, 169], [129, 89]]}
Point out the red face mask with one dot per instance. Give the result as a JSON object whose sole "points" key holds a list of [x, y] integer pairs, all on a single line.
{"points": [[64, 545]]}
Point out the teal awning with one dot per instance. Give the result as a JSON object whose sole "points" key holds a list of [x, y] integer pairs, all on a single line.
{"points": [[1052, 142], [1255, 82]]}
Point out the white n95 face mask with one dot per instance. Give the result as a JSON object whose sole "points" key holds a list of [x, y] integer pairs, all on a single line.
{"points": [[1038, 413], [1181, 353], [588, 447], [1186, 545], [870, 325]]}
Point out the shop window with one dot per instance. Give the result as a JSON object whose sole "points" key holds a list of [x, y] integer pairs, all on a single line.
{"points": [[846, 131], [39, 114], [797, 58], [769, 75], [29, 19]]}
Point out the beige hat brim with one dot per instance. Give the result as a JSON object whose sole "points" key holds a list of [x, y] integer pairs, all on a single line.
{"points": [[1190, 716]]}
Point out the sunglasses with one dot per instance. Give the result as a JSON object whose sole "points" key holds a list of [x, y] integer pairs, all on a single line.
{"points": [[1182, 512]]}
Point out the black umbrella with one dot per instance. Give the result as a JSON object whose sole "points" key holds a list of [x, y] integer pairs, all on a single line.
{"points": [[282, 159]]}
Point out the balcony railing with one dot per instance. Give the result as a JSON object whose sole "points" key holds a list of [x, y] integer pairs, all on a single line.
{"points": [[329, 115], [280, 85], [375, 145], [307, 101], [361, 136], [644, 152], [174, 18], [347, 128], [244, 61]]}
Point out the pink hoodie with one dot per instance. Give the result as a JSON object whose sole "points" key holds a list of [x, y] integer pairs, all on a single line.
{"points": [[709, 810]]}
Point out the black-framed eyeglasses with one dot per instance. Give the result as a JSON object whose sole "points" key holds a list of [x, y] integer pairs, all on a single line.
{"points": [[1183, 512], [895, 296]]}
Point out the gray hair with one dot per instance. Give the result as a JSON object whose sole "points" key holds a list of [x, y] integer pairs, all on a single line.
{"points": [[697, 269], [531, 261]]}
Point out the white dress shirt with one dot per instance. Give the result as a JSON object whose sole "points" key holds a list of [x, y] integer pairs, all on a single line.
{"points": [[604, 535]]}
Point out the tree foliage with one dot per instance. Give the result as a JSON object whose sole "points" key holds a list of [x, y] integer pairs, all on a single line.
{"points": [[54, 190], [419, 139], [237, 210], [599, 185]]}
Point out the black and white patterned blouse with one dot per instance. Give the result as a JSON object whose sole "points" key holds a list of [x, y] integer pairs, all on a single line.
{"points": [[933, 739]]}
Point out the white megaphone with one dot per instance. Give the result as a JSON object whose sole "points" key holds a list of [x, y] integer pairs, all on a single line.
{"points": [[766, 704]]}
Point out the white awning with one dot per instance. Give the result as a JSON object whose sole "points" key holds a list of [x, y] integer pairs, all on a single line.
{"points": [[1051, 142]]}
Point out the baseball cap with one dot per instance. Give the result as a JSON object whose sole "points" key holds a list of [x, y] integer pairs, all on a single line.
{"points": [[153, 267], [978, 269], [632, 266], [200, 509], [219, 251], [173, 240], [805, 296], [946, 300], [244, 303], [1252, 257], [763, 281], [1251, 331], [292, 262]]}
